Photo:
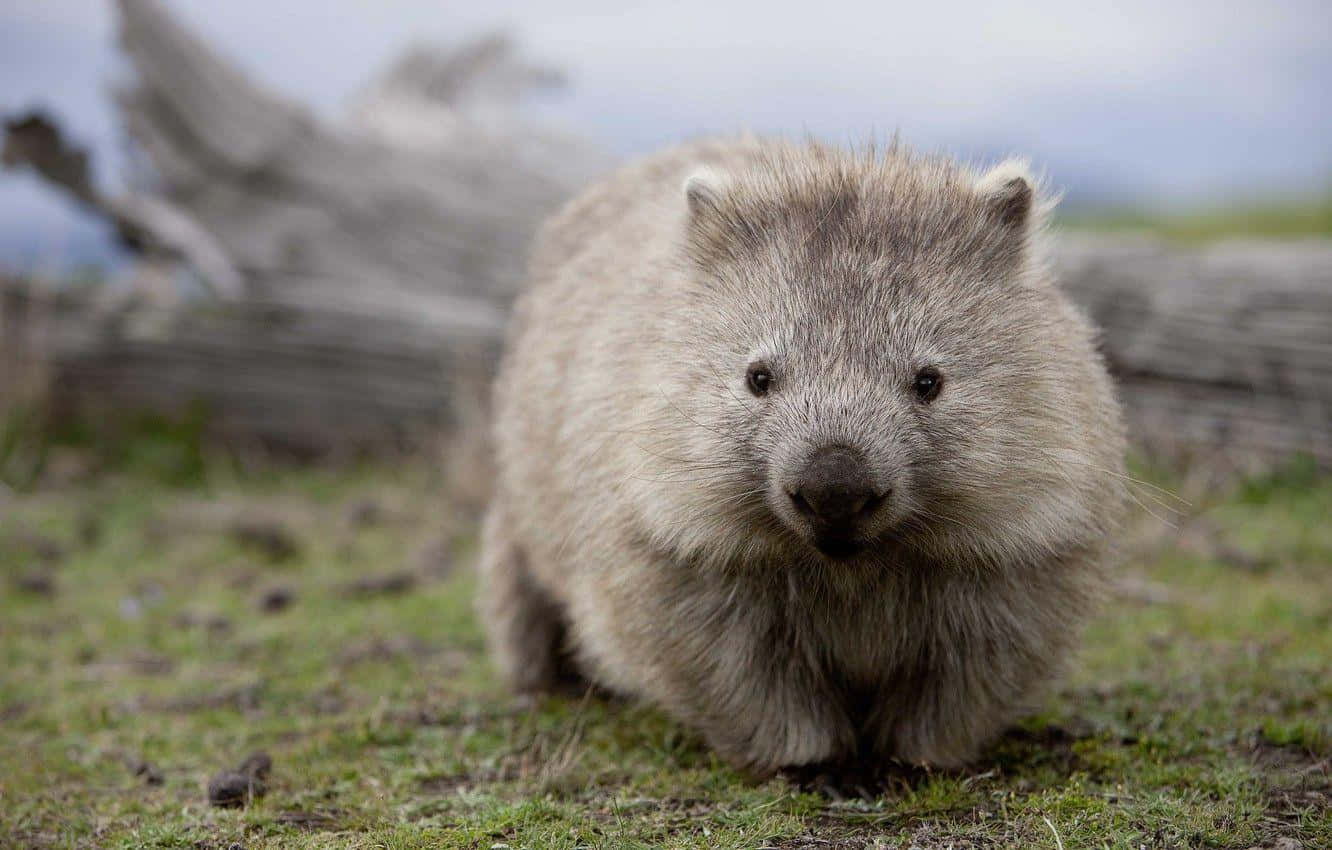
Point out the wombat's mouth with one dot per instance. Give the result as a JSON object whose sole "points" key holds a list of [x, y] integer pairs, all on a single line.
{"points": [[838, 547]]}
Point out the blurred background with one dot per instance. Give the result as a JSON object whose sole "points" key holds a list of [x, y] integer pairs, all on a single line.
{"points": [[256, 262]]}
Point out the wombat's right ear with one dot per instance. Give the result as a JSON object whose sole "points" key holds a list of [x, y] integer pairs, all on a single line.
{"points": [[1009, 191], [703, 191]]}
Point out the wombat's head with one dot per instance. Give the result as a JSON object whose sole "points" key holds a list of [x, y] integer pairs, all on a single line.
{"points": [[878, 360]]}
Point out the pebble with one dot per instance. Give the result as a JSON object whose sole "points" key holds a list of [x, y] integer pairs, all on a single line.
{"points": [[276, 599], [233, 788]]}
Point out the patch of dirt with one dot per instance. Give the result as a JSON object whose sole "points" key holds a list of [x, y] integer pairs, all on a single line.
{"points": [[365, 513], [241, 698], [23, 541], [386, 584], [268, 537], [313, 821], [435, 559], [810, 842], [215, 624], [139, 663], [442, 785], [147, 663], [89, 528], [36, 581], [14, 711], [1295, 780], [380, 648]]}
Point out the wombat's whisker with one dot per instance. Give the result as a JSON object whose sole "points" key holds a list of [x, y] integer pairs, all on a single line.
{"points": [[1152, 494], [677, 409]]}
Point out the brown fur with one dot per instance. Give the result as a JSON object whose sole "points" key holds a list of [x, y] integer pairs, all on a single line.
{"points": [[640, 521]]}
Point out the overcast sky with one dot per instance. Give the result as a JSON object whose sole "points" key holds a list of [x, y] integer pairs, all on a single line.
{"points": [[1144, 102]]}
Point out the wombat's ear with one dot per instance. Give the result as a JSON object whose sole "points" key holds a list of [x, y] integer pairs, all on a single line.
{"points": [[1009, 193], [703, 191]]}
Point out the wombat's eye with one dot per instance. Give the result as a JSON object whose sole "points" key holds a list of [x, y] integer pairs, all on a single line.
{"points": [[759, 378], [927, 384]]}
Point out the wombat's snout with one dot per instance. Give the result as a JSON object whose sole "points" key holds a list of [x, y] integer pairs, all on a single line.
{"points": [[836, 491]]}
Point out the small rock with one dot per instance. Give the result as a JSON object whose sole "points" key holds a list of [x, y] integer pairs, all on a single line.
{"points": [[229, 789], [232, 788], [1287, 844], [36, 582], [380, 585], [276, 599]]}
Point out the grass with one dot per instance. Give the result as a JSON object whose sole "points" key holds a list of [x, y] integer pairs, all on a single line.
{"points": [[133, 629], [1272, 220]]}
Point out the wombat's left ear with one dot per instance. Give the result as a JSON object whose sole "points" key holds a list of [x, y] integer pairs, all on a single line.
{"points": [[703, 190], [1009, 192]]}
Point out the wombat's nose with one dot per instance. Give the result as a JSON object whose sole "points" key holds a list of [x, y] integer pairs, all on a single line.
{"points": [[835, 487]]}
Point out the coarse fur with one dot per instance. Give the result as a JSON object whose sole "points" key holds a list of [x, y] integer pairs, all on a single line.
{"points": [[643, 521]]}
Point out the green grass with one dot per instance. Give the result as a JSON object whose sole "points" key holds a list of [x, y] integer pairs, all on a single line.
{"points": [[1197, 715], [1272, 220]]}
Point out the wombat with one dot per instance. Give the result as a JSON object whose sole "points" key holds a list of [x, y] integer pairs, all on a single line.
{"points": [[805, 446]]}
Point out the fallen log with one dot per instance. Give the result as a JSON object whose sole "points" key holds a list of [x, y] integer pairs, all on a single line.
{"points": [[1224, 346], [289, 198]]}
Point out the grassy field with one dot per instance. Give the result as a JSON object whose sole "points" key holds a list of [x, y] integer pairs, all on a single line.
{"points": [[162, 620], [1280, 219]]}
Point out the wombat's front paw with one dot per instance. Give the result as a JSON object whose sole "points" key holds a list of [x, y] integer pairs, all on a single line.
{"points": [[792, 743]]}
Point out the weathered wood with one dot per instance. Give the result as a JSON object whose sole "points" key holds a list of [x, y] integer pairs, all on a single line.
{"points": [[369, 267], [1218, 347], [281, 375], [285, 195], [1224, 348], [151, 223]]}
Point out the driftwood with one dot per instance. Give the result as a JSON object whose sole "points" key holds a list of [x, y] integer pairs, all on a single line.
{"points": [[303, 207], [143, 221], [360, 272], [1225, 346], [365, 271], [1219, 348]]}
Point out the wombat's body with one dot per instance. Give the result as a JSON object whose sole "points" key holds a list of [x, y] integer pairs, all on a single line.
{"points": [[811, 452]]}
